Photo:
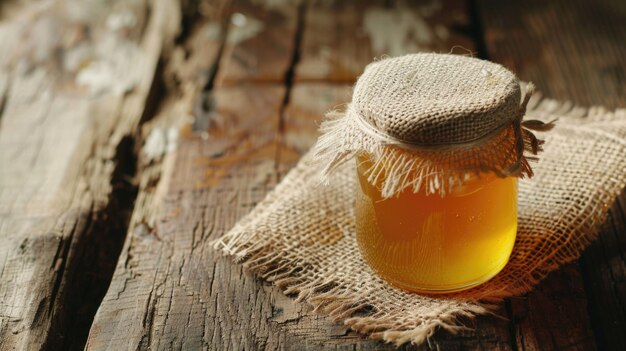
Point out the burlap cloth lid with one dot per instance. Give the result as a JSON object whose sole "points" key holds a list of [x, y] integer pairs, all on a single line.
{"points": [[301, 236], [456, 115]]}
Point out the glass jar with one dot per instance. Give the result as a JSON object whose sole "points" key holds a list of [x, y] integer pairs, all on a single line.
{"points": [[437, 244]]}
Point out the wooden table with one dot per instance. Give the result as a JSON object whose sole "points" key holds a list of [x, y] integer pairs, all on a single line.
{"points": [[113, 184]]}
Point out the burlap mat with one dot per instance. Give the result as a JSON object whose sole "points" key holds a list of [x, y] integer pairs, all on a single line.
{"points": [[301, 237]]}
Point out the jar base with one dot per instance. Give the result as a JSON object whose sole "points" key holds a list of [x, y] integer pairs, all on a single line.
{"points": [[451, 288]]}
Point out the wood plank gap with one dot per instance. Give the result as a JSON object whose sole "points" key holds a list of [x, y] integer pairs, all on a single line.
{"points": [[203, 105], [94, 254], [289, 83], [512, 327], [5, 84], [215, 66], [476, 30]]}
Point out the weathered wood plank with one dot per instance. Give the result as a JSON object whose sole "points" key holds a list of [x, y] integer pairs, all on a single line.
{"points": [[169, 289], [68, 110], [572, 50], [340, 38], [124, 320]]}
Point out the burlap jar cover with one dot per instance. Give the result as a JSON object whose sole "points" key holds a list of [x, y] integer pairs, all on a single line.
{"points": [[301, 236]]}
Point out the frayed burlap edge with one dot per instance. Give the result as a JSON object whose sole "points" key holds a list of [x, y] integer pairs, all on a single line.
{"points": [[345, 305], [398, 165], [342, 304]]}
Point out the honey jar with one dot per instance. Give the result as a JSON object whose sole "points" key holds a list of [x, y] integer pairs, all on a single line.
{"points": [[438, 143], [432, 243]]}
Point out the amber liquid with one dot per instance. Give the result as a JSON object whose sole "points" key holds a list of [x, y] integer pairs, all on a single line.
{"points": [[430, 243]]}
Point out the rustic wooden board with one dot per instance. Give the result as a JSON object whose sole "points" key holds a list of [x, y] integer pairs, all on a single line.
{"points": [[63, 146], [554, 315], [572, 50], [239, 100]]}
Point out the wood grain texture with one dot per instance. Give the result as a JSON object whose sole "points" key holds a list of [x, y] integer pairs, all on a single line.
{"points": [[186, 70], [342, 37], [259, 44], [61, 150], [572, 51]]}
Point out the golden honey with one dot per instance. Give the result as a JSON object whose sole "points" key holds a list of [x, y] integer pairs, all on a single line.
{"points": [[433, 243]]}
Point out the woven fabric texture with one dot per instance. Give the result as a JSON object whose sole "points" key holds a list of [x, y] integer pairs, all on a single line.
{"points": [[431, 98], [302, 236]]}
